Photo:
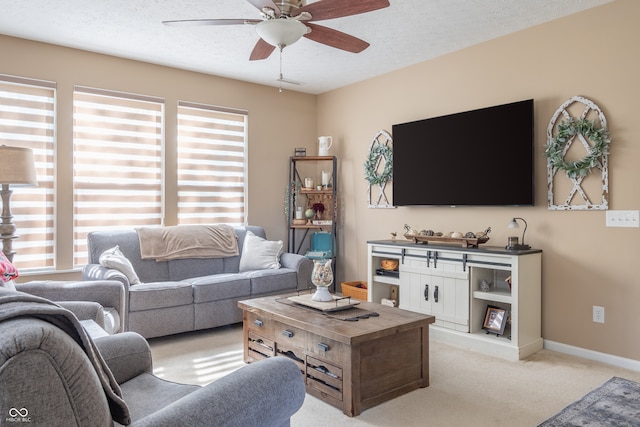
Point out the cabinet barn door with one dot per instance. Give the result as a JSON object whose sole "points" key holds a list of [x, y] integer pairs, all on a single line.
{"points": [[452, 308]]}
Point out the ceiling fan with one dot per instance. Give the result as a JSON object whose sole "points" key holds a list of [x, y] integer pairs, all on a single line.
{"points": [[284, 22]]}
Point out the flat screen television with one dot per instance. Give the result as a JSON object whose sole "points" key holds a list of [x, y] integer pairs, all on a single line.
{"points": [[483, 157]]}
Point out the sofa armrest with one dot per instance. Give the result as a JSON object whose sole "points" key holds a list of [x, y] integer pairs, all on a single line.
{"points": [[127, 355], [85, 310], [264, 393], [301, 264], [99, 272], [107, 293]]}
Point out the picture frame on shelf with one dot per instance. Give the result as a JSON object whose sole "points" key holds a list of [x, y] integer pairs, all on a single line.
{"points": [[495, 320]]}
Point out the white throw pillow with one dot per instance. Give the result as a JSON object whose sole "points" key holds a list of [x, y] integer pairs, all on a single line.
{"points": [[114, 258], [259, 254]]}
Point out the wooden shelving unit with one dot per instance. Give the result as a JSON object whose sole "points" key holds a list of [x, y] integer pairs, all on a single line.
{"points": [[300, 234]]}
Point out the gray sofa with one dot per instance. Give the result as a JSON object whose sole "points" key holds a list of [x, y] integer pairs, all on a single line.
{"points": [[190, 294], [53, 374]]}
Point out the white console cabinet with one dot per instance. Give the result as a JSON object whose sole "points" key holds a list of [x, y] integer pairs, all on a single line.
{"points": [[445, 281]]}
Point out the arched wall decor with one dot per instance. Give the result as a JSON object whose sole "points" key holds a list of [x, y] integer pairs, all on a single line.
{"points": [[590, 129], [378, 169]]}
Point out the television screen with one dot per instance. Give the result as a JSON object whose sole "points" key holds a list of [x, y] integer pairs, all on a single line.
{"points": [[483, 157]]}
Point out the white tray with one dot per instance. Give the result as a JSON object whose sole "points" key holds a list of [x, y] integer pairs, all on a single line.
{"points": [[338, 303]]}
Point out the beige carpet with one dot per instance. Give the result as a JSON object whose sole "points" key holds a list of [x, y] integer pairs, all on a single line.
{"points": [[467, 388]]}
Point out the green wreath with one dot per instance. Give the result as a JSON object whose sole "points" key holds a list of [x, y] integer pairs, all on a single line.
{"points": [[554, 151], [370, 166]]}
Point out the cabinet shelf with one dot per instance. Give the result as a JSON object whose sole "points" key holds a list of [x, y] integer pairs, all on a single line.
{"points": [[309, 191], [386, 279], [497, 296], [314, 227]]}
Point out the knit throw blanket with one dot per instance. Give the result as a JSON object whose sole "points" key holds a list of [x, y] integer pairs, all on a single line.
{"points": [[187, 241], [17, 304]]}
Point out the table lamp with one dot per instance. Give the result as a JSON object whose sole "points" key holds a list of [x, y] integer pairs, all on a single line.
{"points": [[17, 168], [513, 240]]}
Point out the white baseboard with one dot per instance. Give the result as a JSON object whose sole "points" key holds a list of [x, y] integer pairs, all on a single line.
{"points": [[609, 359]]}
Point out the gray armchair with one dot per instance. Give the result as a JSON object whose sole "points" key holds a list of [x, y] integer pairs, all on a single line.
{"points": [[110, 294], [52, 373]]}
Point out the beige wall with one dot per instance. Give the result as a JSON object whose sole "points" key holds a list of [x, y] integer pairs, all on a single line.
{"points": [[593, 54], [278, 122]]}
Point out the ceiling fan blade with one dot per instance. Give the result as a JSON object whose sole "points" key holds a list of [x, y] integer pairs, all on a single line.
{"points": [[196, 22], [261, 4], [330, 9], [262, 50], [335, 38]]}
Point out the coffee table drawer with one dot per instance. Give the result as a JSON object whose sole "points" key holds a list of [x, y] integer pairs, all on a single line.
{"points": [[259, 323], [260, 347], [325, 348], [325, 378], [294, 353], [289, 335]]}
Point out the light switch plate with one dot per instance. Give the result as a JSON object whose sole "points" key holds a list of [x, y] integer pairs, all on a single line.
{"points": [[623, 219]]}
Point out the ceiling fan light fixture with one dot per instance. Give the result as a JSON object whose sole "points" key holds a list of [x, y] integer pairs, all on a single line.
{"points": [[281, 32]]}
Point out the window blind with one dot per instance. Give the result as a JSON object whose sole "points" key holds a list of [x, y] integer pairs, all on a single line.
{"points": [[27, 119], [211, 164], [117, 163]]}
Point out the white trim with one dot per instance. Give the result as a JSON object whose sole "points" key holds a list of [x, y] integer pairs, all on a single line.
{"points": [[584, 353]]}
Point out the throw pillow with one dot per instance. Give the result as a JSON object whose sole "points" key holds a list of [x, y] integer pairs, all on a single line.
{"points": [[114, 258], [259, 254], [7, 271]]}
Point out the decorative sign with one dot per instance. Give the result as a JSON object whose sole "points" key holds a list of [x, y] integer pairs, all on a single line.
{"points": [[578, 131], [378, 169]]}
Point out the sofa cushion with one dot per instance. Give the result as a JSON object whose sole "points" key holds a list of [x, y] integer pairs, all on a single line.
{"points": [[272, 281], [114, 258], [219, 287], [147, 296], [181, 269], [259, 253]]}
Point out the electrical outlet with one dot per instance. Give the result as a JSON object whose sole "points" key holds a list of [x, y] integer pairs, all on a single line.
{"points": [[598, 314], [623, 219]]}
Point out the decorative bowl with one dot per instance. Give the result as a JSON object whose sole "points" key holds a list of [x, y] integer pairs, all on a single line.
{"points": [[389, 264]]}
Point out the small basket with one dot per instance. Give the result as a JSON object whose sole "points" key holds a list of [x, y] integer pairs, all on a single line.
{"points": [[357, 290], [389, 264]]}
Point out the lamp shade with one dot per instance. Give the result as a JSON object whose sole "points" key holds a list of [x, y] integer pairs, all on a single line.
{"points": [[281, 32], [17, 166]]}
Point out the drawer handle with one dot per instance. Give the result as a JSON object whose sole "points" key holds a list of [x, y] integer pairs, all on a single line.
{"points": [[323, 347], [287, 333], [262, 344], [291, 355], [426, 292], [435, 294], [258, 322]]}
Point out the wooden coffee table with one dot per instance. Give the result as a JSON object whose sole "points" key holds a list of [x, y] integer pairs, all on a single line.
{"points": [[353, 365]]}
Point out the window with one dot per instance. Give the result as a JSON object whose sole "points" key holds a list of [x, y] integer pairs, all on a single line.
{"points": [[117, 163], [211, 156], [27, 119]]}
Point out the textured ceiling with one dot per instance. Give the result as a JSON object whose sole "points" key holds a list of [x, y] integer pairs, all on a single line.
{"points": [[408, 32]]}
